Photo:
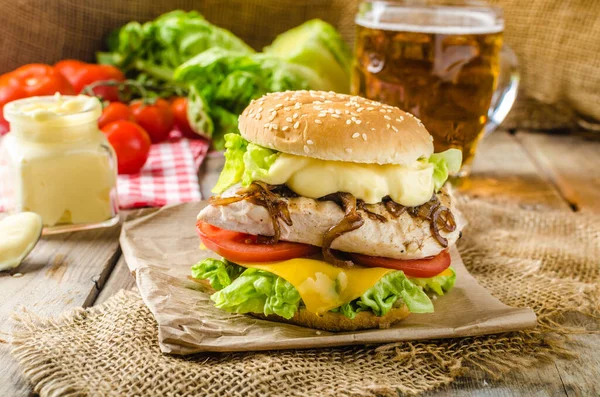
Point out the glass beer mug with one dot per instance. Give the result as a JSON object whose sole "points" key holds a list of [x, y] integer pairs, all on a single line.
{"points": [[443, 61]]}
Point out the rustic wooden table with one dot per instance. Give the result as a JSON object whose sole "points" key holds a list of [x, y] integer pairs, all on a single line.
{"points": [[541, 172]]}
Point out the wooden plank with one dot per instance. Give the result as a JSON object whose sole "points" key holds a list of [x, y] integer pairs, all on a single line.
{"points": [[572, 163], [120, 278], [62, 272], [503, 173]]}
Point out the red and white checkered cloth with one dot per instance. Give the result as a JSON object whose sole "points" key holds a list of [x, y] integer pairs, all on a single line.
{"points": [[169, 176]]}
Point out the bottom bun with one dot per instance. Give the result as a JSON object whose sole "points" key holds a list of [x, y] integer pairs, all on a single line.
{"points": [[336, 322]]}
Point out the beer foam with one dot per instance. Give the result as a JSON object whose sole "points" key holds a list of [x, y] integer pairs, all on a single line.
{"points": [[440, 20]]}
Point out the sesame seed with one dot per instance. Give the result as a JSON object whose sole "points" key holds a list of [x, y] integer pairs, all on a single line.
{"points": [[318, 102], [322, 114], [399, 119], [364, 136], [317, 108], [354, 114], [250, 111], [372, 129], [297, 105], [358, 121], [284, 128], [348, 121], [346, 111], [330, 111], [337, 116], [420, 124], [356, 135], [353, 118], [296, 124], [370, 108], [287, 108], [338, 111], [272, 117], [389, 110], [260, 109], [306, 149], [288, 119], [274, 126], [394, 128], [328, 101], [317, 121], [257, 116], [266, 125], [348, 150], [310, 142], [382, 110], [387, 126], [360, 109], [387, 117]]}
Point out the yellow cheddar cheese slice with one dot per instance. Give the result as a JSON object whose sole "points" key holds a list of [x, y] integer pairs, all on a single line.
{"points": [[321, 285]]}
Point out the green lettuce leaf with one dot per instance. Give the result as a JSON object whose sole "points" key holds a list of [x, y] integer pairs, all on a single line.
{"points": [[244, 162], [258, 291], [444, 163], [391, 289], [219, 273], [257, 161], [243, 290], [317, 45], [437, 284], [234, 163], [158, 47]]}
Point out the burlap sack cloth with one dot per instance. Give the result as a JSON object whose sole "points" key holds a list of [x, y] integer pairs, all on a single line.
{"points": [[556, 40], [547, 261]]}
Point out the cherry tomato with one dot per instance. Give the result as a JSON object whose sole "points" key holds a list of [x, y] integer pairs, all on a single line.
{"points": [[131, 143], [179, 108], [243, 248], [156, 118], [113, 112], [425, 268], [82, 74], [32, 80]]}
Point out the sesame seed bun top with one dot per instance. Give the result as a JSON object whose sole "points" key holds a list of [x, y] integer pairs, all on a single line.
{"points": [[331, 126]]}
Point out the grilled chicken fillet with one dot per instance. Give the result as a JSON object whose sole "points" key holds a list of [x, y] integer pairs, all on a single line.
{"points": [[405, 237]]}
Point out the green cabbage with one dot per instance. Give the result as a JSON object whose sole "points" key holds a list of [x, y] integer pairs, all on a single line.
{"points": [[319, 46], [241, 290], [444, 163], [244, 162]]}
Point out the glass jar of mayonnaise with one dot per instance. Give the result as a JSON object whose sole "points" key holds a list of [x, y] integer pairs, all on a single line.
{"points": [[56, 162]]}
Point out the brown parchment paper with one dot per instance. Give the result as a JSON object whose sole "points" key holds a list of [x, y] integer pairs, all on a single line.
{"points": [[161, 247]]}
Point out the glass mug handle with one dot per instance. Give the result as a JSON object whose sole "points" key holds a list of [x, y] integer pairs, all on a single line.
{"points": [[506, 92]]}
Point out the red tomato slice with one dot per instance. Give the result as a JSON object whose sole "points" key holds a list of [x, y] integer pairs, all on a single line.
{"points": [[425, 268], [241, 247]]}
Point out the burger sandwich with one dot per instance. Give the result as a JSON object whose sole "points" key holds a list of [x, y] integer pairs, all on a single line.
{"points": [[329, 214]]}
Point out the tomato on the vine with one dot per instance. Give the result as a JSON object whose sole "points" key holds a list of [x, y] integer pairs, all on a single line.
{"points": [[35, 79], [115, 111], [179, 108], [131, 143], [81, 74], [156, 118]]}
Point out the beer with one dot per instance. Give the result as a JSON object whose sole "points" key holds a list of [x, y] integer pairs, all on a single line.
{"points": [[441, 64]]}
